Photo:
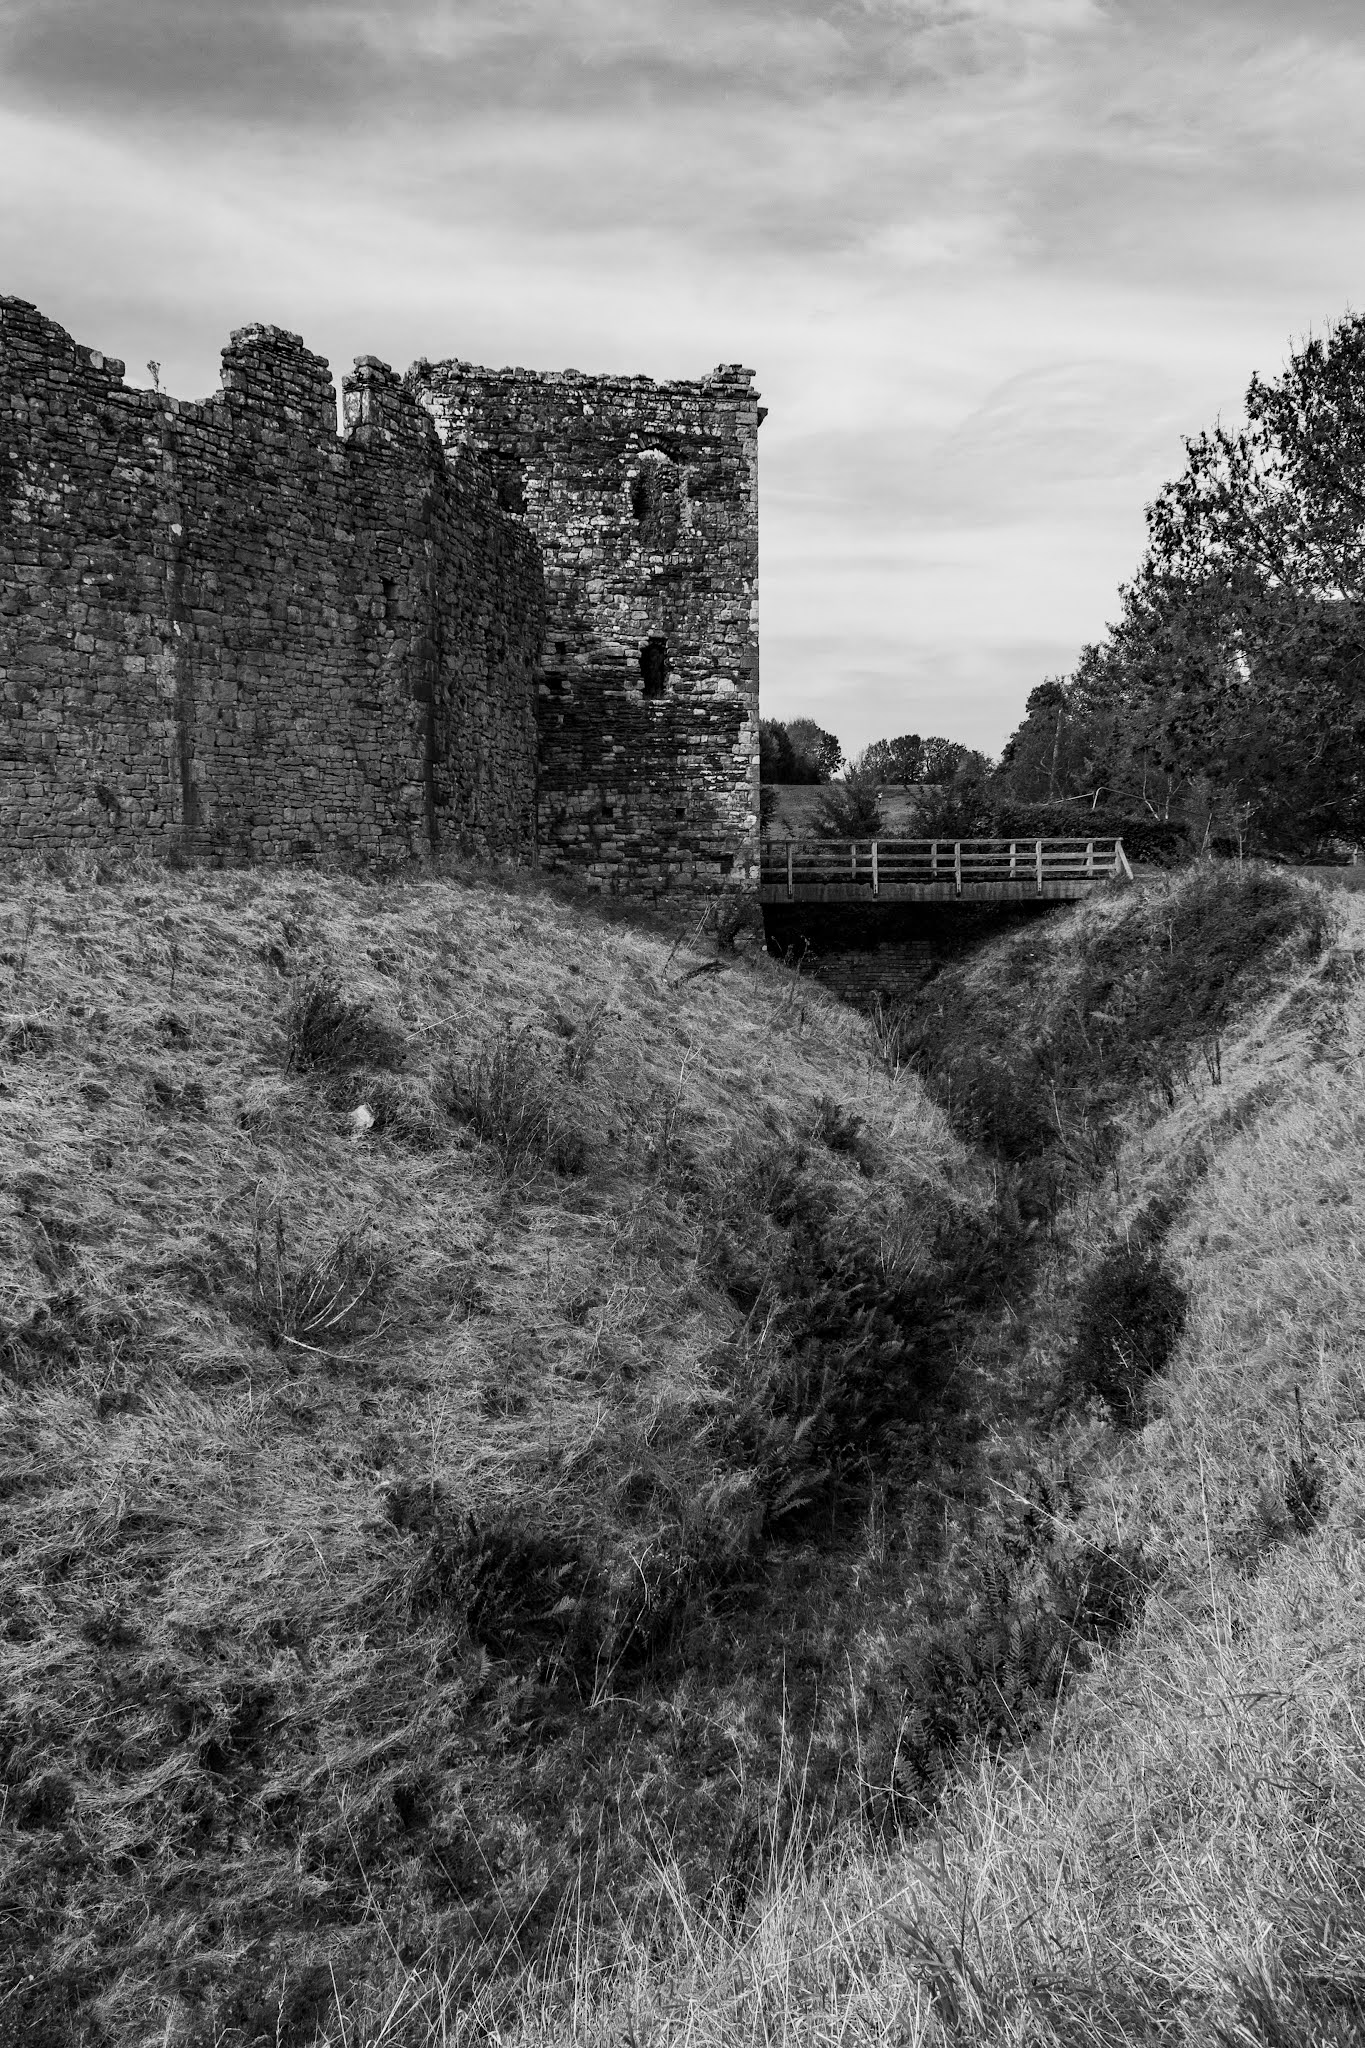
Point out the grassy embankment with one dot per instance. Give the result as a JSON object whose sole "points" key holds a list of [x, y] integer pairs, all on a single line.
{"points": [[1175, 1853], [391, 1512], [576, 1517]]}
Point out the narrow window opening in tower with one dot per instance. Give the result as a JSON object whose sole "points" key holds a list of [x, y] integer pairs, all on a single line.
{"points": [[641, 496], [654, 668]]}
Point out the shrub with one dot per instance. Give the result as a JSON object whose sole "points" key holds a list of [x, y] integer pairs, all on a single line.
{"points": [[25, 1036], [508, 1097], [564, 1598], [843, 1130], [958, 808], [1179, 957], [983, 1673], [849, 808], [583, 1036], [1003, 1102], [1130, 1315], [506, 1579], [328, 1031], [866, 1336], [1151, 840]]}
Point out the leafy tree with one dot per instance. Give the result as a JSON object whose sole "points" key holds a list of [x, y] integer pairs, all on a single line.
{"points": [[776, 754], [1032, 760], [1234, 680], [940, 759], [1079, 740], [797, 752], [818, 749], [893, 760]]}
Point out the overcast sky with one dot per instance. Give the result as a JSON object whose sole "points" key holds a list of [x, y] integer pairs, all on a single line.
{"points": [[990, 258]]}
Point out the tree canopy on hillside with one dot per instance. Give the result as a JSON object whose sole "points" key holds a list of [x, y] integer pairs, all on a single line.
{"points": [[1233, 681]]}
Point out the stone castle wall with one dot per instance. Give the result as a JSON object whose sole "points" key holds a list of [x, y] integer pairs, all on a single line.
{"points": [[223, 626], [644, 500]]}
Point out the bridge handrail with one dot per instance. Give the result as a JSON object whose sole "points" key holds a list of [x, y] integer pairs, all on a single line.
{"points": [[1079, 857]]}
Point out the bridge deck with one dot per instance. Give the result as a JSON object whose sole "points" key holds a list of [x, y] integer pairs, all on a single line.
{"points": [[937, 870]]}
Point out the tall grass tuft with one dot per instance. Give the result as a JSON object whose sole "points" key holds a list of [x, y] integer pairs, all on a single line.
{"points": [[509, 1095], [319, 1302], [328, 1031]]}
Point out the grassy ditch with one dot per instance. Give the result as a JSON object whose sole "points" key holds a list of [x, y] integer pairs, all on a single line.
{"points": [[1173, 1853], [482, 1397]]}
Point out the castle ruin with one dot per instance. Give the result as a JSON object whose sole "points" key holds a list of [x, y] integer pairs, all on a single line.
{"points": [[510, 612]]}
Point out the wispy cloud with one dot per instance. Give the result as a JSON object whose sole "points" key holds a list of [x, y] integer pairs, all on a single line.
{"points": [[267, 62], [989, 257]]}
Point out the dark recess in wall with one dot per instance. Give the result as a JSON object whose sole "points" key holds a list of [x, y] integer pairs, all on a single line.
{"points": [[869, 955], [654, 668], [949, 928]]}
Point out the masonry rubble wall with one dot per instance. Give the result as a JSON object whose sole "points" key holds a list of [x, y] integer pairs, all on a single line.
{"points": [[225, 627], [879, 974], [644, 499]]}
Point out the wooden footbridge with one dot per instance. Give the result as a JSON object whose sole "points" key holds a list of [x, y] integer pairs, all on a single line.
{"points": [[937, 870]]}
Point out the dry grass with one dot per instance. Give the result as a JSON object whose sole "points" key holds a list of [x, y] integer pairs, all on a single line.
{"points": [[458, 1585], [359, 1472], [1176, 1856]]}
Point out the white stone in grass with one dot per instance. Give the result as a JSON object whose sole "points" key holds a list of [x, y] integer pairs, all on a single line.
{"points": [[360, 1120]]}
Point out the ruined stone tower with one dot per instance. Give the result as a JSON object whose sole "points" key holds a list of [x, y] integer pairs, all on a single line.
{"points": [[644, 499]]}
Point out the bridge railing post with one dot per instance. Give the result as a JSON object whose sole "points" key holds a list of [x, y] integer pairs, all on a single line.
{"points": [[933, 860], [791, 849], [1014, 861], [853, 860], [1038, 859], [1090, 858], [957, 865], [874, 868]]}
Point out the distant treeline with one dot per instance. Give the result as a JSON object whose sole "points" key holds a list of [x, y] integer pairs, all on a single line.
{"points": [[800, 751]]}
